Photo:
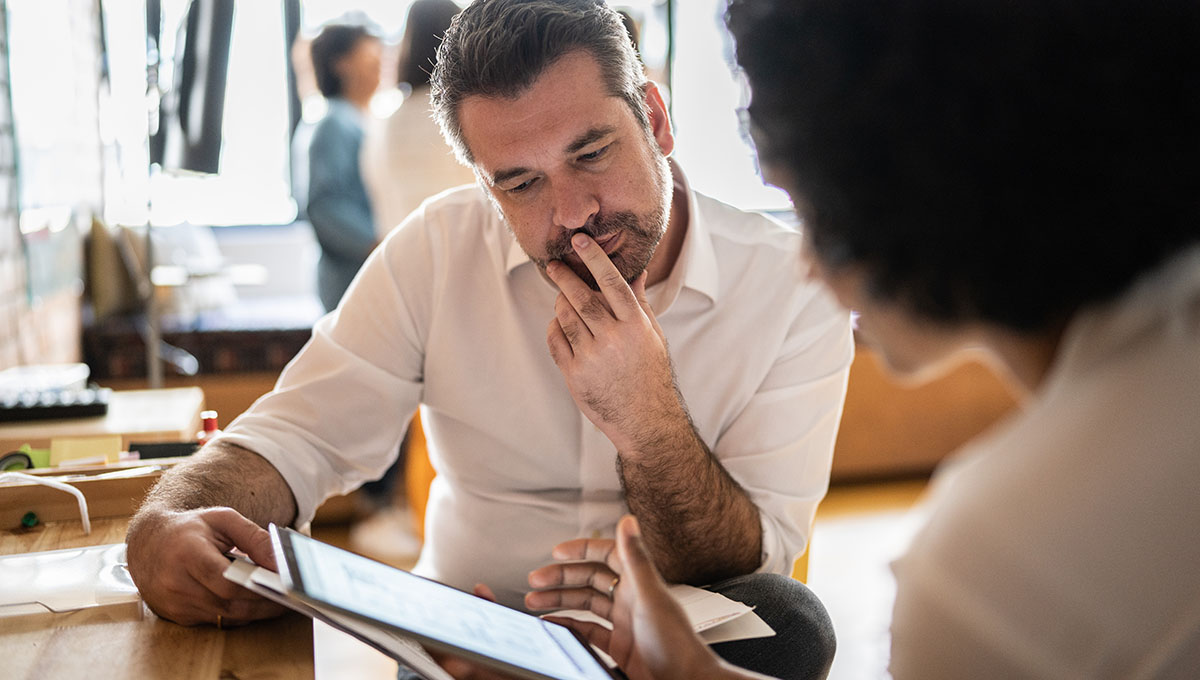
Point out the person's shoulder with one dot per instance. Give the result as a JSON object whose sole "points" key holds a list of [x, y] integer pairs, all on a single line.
{"points": [[754, 248], [732, 226], [457, 226], [457, 213], [457, 202], [337, 123]]}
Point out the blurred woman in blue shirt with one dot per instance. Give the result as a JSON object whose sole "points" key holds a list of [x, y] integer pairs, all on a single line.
{"points": [[346, 60]]}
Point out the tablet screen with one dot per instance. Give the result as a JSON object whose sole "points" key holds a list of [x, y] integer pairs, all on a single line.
{"points": [[433, 611]]}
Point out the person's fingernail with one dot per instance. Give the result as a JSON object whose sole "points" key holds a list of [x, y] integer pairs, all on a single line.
{"points": [[581, 241]]}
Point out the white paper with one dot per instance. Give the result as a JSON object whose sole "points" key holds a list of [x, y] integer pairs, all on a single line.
{"points": [[715, 617], [742, 628], [706, 609]]}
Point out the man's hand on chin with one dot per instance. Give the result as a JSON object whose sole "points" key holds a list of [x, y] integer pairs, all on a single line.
{"points": [[612, 352]]}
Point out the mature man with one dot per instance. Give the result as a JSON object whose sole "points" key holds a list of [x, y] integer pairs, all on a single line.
{"points": [[586, 239]]}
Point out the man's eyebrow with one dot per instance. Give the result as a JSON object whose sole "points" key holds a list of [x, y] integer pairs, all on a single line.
{"points": [[590, 137], [504, 175]]}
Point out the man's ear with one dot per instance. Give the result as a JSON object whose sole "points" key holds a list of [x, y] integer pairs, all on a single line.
{"points": [[660, 122]]}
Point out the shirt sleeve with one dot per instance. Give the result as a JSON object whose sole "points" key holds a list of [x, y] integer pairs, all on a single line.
{"points": [[780, 446], [340, 408], [337, 207]]}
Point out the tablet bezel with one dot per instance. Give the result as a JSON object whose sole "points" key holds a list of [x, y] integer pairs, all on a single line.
{"points": [[289, 572]]}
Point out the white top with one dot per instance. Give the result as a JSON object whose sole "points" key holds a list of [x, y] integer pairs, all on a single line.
{"points": [[451, 313], [1066, 544], [405, 160]]}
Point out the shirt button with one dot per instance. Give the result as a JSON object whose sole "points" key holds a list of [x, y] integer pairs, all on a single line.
{"points": [[596, 533]]}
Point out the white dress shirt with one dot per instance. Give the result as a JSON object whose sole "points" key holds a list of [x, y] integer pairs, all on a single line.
{"points": [[450, 313], [1066, 544]]}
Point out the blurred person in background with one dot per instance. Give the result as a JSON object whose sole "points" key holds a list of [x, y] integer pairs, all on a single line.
{"points": [[346, 61], [405, 159]]}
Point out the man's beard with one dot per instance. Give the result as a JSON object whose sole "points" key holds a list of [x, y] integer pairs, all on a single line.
{"points": [[640, 237], [641, 233]]}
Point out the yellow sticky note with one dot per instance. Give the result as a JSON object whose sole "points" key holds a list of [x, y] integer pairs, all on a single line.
{"points": [[67, 449]]}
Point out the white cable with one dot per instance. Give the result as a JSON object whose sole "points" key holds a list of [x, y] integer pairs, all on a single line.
{"points": [[83, 508]]}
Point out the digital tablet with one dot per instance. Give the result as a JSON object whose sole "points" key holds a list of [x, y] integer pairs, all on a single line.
{"points": [[435, 614]]}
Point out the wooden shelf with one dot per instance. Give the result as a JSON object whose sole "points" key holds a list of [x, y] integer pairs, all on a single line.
{"points": [[167, 415]]}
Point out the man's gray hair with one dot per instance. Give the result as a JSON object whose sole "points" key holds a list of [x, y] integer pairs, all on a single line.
{"points": [[498, 48]]}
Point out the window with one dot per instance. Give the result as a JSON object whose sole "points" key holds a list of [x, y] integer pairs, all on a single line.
{"points": [[706, 97], [252, 185]]}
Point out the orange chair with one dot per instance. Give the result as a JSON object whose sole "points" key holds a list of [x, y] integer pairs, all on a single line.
{"points": [[418, 473], [800, 566]]}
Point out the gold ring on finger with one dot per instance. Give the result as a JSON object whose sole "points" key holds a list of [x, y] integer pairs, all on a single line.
{"points": [[612, 587]]}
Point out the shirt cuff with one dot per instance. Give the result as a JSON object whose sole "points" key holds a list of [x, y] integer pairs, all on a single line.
{"points": [[776, 559]]}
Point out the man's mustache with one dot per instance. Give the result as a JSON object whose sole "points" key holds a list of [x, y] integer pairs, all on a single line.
{"points": [[597, 228]]}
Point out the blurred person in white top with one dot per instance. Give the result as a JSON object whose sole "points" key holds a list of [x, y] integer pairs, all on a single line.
{"points": [[405, 159]]}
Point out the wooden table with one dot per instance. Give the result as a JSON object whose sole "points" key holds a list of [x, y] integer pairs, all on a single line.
{"points": [[171, 414], [129, 641]]}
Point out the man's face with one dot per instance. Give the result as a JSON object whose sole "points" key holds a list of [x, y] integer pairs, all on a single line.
{"points": [[359, 68], [565, 157]]}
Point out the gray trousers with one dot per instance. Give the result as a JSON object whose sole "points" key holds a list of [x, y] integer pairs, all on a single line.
{"points": [[803, 645], [804, 642]]}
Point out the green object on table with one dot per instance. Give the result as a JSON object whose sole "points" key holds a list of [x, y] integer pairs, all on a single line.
{"points": [[40, 457], [15, 461], [29, 520]]}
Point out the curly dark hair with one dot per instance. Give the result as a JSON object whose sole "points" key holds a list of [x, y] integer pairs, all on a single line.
{"points": [[331, 44], [498, 48], [982, 160]]}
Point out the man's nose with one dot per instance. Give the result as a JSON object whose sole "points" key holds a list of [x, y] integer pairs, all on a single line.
{"points": [[575, 203]]}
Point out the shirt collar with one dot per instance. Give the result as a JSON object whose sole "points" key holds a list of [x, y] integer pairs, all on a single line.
{"points": [[695, 269]]}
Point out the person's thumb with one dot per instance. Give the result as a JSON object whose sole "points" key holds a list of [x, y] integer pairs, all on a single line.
{"points": [[636, 566], [482, 590], [245, 535]]}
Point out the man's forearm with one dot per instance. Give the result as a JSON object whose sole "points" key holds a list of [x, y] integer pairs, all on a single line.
{"points": [[229, 476], [697, 521]]}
